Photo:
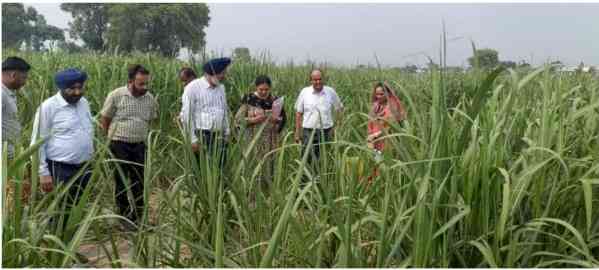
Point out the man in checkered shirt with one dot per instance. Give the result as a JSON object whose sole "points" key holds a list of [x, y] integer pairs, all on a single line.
{"points": [[126, 117]]}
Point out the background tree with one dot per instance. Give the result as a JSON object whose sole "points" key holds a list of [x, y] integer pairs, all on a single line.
{"points": [[90, 23], [486, 58], [15, 29], [26, 26], [508, 64], [40, 31], [242, 53], [523, 64], [409, 68], [163, 28]]}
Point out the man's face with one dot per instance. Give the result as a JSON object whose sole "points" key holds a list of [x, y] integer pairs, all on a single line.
{"points": [[217, 78], [139, 85], [316, 80], [73, 94], [16, 79], [185, 79]]}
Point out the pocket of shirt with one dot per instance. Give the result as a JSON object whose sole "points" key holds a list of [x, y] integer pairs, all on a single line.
{"points": [[63, 122]]}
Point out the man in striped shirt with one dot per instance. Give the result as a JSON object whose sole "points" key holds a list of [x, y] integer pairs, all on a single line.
{"points": [[126, 117], [205, 112], [14, 77]]}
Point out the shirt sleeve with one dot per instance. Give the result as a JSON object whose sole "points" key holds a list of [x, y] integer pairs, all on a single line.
{"points": [[299, 104], [226, 120], [41, 130], [187, 115], [90, 118], [109, 109], [155, 108], [336, 101]]}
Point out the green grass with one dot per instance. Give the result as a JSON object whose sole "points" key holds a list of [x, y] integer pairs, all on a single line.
{"points": [[491, 169]]}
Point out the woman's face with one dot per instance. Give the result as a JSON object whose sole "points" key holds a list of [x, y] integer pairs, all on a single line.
{"points": [[379, 94], [262, 90]]}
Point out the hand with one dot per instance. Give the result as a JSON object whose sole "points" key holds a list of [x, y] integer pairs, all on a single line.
{"points": [[195, 147], [275, 120], [46, 183], [371, 137], [260, 118]]}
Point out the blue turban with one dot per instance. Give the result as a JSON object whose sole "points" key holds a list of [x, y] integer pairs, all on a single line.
{"points": [[66, 78], [217, 65]]}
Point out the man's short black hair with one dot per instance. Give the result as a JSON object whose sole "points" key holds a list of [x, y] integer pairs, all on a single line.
{"points": [[135, 69], [188, 72], [15, 63]]}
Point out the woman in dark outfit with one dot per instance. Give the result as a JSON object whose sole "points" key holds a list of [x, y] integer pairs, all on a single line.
{"points": [[257, 110]]}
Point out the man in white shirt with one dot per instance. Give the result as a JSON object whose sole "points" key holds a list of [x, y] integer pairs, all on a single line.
{"points": [[316, 108], [65, 122], [204, 114]]}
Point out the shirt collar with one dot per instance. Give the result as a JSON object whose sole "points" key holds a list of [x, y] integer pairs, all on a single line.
{"points": [[131, 95], [206, 84], [11, 92], [61, 101], [317, 93], [128, 90]]}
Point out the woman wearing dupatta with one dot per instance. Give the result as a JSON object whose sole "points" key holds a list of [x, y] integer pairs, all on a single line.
{"points": [[386, 108], [257, 109]]}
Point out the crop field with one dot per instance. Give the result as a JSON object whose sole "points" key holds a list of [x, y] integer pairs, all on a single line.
{"points": [[493, 168]]}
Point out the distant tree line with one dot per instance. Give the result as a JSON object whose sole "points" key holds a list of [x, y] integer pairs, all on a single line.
{"points": [[144, 27]]}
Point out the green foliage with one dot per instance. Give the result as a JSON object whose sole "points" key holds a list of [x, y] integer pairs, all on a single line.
{"points": [[20, 26], [90, 22], [157, 28], [242, 54], [492, 168], [485, 58]]}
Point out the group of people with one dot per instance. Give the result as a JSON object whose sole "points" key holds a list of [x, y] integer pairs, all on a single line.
{"points": [[64, 123]]}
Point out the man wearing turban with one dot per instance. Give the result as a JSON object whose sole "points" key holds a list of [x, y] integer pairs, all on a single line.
{"points": [[204, 114], [64, 121]]}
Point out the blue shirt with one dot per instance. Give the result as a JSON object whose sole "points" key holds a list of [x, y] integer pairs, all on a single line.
{"points": [[68, 129]]}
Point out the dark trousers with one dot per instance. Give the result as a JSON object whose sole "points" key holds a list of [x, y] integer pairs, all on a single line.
{"points": [[320, 136], [63, 173], [129, 177], [213, 144]]}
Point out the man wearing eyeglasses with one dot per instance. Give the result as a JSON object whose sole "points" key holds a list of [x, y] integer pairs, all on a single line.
{"points": [[126, 117], [65, 122]]}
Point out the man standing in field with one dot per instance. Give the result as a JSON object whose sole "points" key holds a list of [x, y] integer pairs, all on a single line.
{"points": [[14, 77], [65, 122], [126, 117], [204, 114], [315, 108]]}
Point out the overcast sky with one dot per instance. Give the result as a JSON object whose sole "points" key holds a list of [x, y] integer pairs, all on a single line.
{"points": [[398, 33]]}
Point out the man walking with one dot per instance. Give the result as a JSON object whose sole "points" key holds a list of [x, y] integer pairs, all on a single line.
{"points": [[126, 117], [65, 122], [14, 77], [205, 112], [315, 108]]}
